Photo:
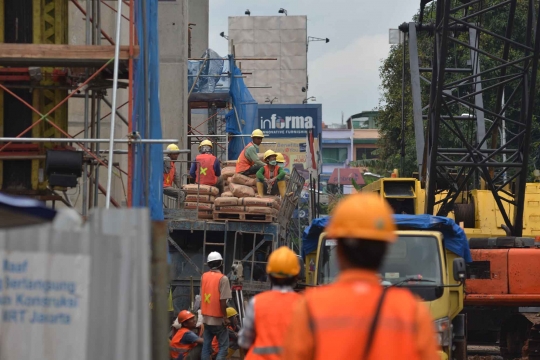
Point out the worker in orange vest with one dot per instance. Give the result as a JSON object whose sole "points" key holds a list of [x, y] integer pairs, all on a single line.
{"points": [[248, 162], [269, 313], [215, 291], [233, 329], [206, 169], [170, 175], [356, 317], [271, 177], [185, 344]]}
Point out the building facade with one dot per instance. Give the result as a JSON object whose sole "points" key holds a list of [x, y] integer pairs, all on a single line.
{"points": [[282, 37], [365, 135], [337, 148]]}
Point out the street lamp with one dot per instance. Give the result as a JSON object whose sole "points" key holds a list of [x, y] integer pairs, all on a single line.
{"points": [[282, 11], [248, 13], [313, 38], [222, 34], [270, 101], [312, 98]]}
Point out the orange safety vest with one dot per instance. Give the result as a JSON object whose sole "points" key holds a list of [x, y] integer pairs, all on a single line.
{"points": [[205, 169], [177, 350], [267, 171], [342, 313], [210, 305], [243, 163], [273, 312], [169, 178]]}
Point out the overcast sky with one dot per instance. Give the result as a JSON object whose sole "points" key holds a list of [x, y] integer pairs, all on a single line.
{"points": [[343, 74]]}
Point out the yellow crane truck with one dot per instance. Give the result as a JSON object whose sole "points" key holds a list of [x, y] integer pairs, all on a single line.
{"points": [[428, 258]]}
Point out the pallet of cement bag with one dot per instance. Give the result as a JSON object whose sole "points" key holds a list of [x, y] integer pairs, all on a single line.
{"points": [[225, 216], [201, 189], [200, 198], [247, 209]]}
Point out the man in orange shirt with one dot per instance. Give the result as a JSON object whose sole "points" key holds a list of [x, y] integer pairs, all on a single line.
{"points": [[269, 313], [355, 317]]}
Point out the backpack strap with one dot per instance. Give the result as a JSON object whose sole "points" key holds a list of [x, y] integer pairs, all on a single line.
{"points": [[374, 323]]}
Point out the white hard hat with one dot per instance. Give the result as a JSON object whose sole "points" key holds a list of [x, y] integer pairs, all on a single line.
{"points": [[214, 256]]}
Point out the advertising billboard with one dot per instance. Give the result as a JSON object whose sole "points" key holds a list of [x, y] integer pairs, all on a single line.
{"points": [[290, 121]]}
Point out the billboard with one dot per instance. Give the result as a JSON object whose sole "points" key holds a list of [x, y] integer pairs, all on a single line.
{"points": [[290, 121], [293, 150]]}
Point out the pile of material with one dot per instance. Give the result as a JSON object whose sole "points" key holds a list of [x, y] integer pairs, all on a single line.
{"points": [[246, 208], [201, 198]]}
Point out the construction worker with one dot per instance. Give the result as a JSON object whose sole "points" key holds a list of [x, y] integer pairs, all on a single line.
{"points": [[356, 317], [268, 314], [170, 176], [248, 161], [281, 163], [185, 344], [206, 169], [271, 178], [232, 329], [215, 291]]}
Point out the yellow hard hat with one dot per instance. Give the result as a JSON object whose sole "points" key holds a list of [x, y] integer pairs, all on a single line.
{"points": [[280, 158], [173, 147], [283, 263], [268, 153], [206, 143], [364, 216], [231, 312], [257, 133]]}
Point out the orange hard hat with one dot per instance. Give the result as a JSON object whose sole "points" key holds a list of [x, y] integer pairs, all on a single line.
{"points": [[364, 216], [283, 263], [184, 315]]}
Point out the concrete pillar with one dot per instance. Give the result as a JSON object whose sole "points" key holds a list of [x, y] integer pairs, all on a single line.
{"points": [[199, 14], [173, 36]]}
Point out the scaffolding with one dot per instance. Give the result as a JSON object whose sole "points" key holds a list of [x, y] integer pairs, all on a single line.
{"points": [[54, 72]]}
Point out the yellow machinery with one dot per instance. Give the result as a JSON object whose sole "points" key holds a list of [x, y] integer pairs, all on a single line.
{"points": [[415, 252], [476, 209], [34, 22]]}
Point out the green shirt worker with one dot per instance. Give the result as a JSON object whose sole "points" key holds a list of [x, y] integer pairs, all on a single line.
{"points": [[271, 178]]}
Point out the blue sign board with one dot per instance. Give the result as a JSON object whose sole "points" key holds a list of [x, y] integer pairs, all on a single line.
{"points": [[290, 121]]}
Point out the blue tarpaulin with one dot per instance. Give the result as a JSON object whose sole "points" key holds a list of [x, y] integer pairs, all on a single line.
{"points": [[147, 171], [455, 239]]}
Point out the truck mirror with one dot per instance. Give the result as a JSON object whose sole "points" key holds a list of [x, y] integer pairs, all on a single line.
{"points": [[459, 269]]}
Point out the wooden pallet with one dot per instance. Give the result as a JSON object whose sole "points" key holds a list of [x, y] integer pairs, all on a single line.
{"points": [[222, 216]]}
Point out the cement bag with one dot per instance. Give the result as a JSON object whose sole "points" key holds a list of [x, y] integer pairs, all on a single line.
{"points": [[202, 206], [259, 202], [203, 189], [226, 201], [230, 209], [201, 198], [260, 210], [205, 215], [241, 191], [242, 180], [229, 163], [227, 194], [227, 172]]}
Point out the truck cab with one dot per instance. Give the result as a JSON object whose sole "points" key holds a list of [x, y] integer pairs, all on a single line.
{"points": [[419, 261]]}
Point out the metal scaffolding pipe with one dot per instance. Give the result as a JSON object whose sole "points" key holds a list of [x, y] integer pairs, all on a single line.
{"points": [[114, 98], [88, 141]]}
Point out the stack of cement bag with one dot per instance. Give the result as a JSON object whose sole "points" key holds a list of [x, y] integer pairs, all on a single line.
{"points": [[201, 198], [226, 173], [248, 205]]}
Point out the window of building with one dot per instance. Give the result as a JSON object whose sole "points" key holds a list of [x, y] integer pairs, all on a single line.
{"points": [[334, 155], [365, 153]]}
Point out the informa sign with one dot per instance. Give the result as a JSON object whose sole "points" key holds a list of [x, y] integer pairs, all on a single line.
{"points": [[290, 121], [43, 305]]}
